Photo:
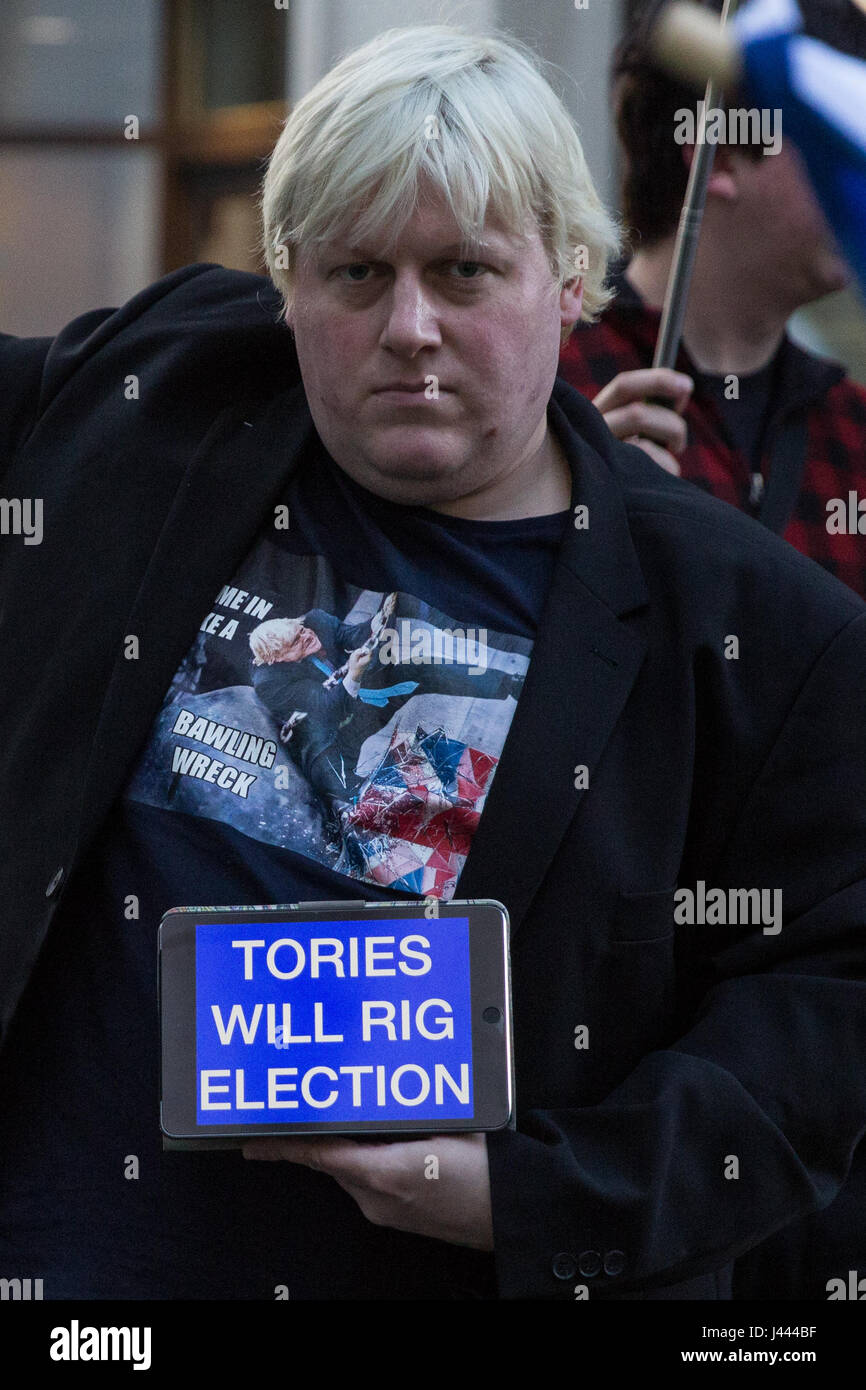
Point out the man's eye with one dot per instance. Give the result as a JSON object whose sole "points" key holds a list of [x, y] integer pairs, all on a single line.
{"points": [[345, 272], [474, 265], [356, 265]]}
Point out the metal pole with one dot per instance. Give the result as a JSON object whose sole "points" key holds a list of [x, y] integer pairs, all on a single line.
{"points": [[688, 231]]}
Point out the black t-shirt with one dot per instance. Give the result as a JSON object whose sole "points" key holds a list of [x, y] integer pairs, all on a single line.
{"points": [[375, 793], [746, 413]]}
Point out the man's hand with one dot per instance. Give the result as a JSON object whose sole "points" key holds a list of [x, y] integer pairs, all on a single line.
{"points": [[393, 1183], [660, 432], [358, 661]]}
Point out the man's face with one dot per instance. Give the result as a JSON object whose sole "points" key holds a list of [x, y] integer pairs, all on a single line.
{"points": [[304, 643], [488, 330]]}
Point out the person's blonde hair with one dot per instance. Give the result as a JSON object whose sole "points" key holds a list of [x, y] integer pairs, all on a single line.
{"points": [[270, 637], [471, 113]]}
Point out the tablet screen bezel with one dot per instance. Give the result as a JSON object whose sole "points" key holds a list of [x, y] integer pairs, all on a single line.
{"points": [[492, 1050]]}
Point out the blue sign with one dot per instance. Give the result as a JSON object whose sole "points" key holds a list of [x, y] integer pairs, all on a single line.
{"points": [[366, 1019]]}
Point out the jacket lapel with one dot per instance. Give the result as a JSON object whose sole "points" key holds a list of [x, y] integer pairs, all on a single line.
{"points": [[238, 472], [584, 663]]}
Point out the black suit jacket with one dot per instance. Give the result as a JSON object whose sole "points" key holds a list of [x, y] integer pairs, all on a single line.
{"points": [[285, 686], [158, 435]]}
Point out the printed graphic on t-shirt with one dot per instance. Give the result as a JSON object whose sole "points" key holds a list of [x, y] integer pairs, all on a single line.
{"points": [[357, 728]]}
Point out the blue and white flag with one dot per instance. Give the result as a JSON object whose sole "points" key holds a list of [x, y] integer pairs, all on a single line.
{"points": [[822, 95]]}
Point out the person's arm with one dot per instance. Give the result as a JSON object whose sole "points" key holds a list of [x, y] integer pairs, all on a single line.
{"points": [[772, 1071], [349, 636], [34, 371]]}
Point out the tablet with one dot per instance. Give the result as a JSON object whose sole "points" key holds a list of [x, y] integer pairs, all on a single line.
{"points": [[341, 1017]]}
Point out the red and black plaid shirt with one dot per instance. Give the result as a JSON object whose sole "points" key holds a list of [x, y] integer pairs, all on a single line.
{"points": [[835, 424]]}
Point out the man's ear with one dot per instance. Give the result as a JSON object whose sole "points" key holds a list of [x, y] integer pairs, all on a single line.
{"points": [[723, 181], [570, 305]]}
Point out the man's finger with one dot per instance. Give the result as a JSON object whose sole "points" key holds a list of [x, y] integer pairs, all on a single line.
{"points": [[657, 453], [645, 381], [651, 422], [339, 1157], [312, 1151]]}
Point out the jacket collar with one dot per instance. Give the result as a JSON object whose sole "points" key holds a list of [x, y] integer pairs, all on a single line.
{"points": [[601, 556], [585, 660]]}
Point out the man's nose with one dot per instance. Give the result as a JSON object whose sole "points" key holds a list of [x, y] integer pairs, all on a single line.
{"points": [[412, 320]]}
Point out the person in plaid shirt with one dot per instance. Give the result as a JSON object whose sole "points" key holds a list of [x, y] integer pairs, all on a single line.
{"points": [[755, 419], [791, 439]]}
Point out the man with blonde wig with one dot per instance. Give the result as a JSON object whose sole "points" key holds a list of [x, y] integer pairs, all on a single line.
{"points": [[671, 808]]}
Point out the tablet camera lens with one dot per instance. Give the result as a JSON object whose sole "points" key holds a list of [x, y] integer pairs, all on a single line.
{"points": [[492, 1015]]}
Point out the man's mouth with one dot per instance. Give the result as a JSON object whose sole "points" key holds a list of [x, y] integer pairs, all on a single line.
{"points": [[402, 386]]}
